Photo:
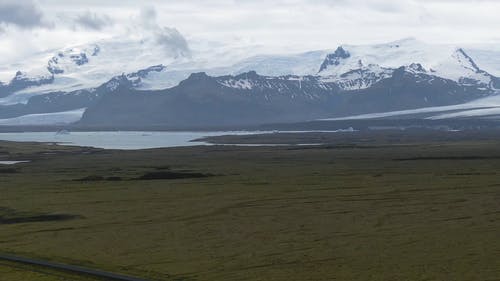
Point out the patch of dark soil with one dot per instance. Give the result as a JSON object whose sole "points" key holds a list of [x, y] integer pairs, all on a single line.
{"points": [[39, 218], [91, 178], [9, 171], [98, 178], [11, 216], [469, 174], [162, 168], [156, 175], [171, 175], [448, 158]]}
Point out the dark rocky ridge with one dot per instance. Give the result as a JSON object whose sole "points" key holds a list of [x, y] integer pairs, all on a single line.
{"points": [[20, 82], [250, 99], [334, 59]]}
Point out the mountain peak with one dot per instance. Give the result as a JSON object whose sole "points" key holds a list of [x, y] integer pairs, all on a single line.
{"points": [[415, 68], [335, 58], [247, 75], [143, 73], [117, 83], [19, 74], [466, 60], [198, 75]]}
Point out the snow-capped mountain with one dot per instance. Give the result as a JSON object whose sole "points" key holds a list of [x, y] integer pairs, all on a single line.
{"points": [[347, 80], [22, 81], [69, 60], [249, 99], [447, 62], [86, 66]]}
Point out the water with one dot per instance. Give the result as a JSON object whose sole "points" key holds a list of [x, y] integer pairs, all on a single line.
{"points": [[118, 140], [12, 162]]}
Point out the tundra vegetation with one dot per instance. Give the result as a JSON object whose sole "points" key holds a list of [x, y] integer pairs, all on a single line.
{"points": [[377, 209]]}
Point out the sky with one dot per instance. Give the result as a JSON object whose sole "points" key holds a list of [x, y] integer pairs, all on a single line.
{"points": [[31, 26]]}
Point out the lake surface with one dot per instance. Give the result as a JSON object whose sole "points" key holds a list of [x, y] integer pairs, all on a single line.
{"points": [[12, 162], [119, 140]]}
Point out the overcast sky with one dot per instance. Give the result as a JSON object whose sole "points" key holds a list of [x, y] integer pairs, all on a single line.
{"points": [[28, 26]]}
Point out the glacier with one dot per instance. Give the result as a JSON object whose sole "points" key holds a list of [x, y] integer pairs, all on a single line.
{"points": [[150, 67]]}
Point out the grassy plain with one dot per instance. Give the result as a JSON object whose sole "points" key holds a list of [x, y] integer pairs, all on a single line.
{"points": [[382, 210]]}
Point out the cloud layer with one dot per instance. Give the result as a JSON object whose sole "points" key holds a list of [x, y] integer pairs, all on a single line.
{"points": [[281, 25], [23, 14], [93, 20], [168, 38]]}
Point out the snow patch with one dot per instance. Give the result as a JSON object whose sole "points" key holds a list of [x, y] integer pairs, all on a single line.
{"points": [[243, 84]]}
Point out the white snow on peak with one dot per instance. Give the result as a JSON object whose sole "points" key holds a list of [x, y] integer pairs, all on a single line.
{"points": [[218, 60], [278, 65], [445, 61], [361, 78], [112, 85], [90, 65], [243, 84], [390, 55], [459, 66], [70, 60], [488, 58]]}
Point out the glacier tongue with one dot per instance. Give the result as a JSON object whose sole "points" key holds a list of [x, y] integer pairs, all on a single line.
{"points": [[45, 119]]}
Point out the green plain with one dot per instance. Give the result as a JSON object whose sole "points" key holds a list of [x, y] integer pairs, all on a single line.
{"points": [[383, 211]]}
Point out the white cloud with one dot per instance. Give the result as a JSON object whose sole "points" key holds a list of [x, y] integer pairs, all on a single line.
{"points": [[281, 25], [93, 20], [147, 17], [23, 14], [169, 38]]}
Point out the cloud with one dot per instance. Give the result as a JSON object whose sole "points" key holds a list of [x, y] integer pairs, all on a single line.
{"points": [[147, 16], [24, 14], [93, 21], [168, 38], [173, 42], [278, 26]]}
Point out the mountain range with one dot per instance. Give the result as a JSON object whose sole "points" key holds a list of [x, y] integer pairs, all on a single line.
{"points": [[125, 83]]}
